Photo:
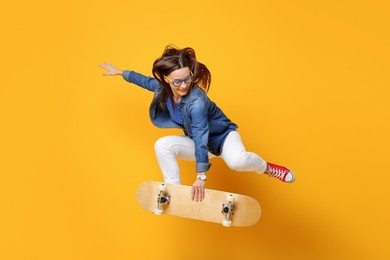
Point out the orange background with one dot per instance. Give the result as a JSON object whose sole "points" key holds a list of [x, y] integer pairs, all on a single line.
{"points": [[306, 81]]}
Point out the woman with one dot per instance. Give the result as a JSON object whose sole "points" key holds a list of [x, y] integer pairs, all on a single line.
{"points": [[180, 84]]}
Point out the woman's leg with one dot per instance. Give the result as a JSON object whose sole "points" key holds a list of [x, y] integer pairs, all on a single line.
{"points": [[234, 154], [169, 148], [237, 158]]}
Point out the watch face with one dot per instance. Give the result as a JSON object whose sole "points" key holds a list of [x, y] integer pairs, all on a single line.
{"points": [[203, 177]]}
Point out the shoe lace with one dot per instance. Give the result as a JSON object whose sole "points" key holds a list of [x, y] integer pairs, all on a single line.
{"points": [[279, 173]]}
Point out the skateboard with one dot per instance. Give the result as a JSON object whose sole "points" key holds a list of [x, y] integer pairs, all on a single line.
{"points": [[228, 209]]}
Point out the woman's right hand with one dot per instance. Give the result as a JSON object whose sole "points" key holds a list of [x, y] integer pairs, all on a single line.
{"points": [[112, 71]]}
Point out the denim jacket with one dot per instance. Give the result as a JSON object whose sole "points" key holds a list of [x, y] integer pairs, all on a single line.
{"points": [[202, 120]]}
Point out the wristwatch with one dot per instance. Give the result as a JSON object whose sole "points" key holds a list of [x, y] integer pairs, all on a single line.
{"points": [[202, 177]]}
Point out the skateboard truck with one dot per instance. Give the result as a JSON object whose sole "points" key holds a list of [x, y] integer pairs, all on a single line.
{"points": [[228, 209], [162, 199]]}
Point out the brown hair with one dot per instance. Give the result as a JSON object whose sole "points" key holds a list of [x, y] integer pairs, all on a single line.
{"points": [[173, 59]]}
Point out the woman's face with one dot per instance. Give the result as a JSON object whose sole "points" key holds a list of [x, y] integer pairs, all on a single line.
{"points": [[180, 82]]}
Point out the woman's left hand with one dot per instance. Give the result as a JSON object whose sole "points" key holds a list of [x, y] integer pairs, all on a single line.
{"points": [[198, 192]]}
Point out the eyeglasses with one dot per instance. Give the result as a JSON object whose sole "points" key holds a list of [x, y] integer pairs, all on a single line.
{"points": [[177, 82]]}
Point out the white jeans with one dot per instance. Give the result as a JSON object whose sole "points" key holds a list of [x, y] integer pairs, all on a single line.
{"points": [[169, 148]]}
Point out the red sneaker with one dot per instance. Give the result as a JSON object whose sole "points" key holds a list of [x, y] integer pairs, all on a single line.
{"points": [[280, 172]]}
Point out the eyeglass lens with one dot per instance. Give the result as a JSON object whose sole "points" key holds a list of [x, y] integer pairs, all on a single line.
{"points": [[178, 82]]}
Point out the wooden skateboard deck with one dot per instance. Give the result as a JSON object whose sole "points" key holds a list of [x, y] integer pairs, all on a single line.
{"points": [[229, 209]]}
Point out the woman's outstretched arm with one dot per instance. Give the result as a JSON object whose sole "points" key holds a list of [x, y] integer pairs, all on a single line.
{"points": [[141, 80]]}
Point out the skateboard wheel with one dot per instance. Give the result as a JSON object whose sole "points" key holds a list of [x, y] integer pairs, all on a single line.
{"points": [[231, 198], [162, 187], [227, 223], [158, 212]]}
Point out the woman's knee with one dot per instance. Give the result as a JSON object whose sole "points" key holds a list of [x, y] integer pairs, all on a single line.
{"points": [[238, 163], [180, 146], [162, 144]]}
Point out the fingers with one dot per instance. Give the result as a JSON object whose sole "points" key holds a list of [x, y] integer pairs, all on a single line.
{"points": [[197, 193], [110, 67], [102, 65], [193, 193], [110, 73], [106, 65], [201, 193]]}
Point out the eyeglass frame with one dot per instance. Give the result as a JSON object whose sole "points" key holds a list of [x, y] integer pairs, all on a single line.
{"points": [[191, 76]]}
